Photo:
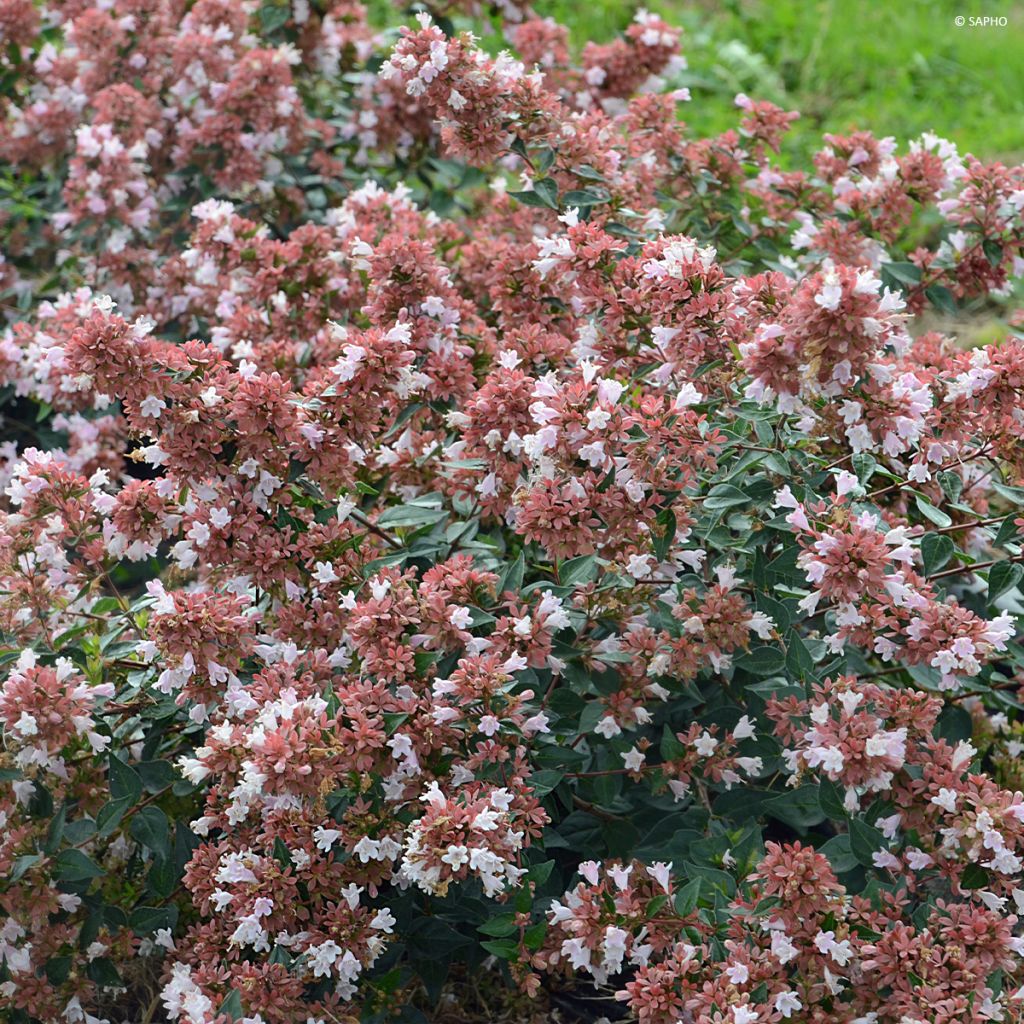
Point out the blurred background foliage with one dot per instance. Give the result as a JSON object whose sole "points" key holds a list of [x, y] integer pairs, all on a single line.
{"points": [[896, 67]]}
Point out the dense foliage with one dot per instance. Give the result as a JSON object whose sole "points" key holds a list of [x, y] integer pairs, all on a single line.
{"points": [[452, 516]]}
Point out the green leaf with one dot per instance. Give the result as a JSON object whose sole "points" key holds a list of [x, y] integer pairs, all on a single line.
{"points": [[232, 1006], [663, 540], [151, 828], [864, 466], [578, 570], [712, 879], [830, 797], [942, 299], [110, 815], [974, 877], [993, 251], [930, 512], [544, 782], [281, 852], [500, 926], [762, 661], [528, 198], [512, 577], [543, 194], [798, 657], [724, 496], [588, 172], [1007, 532], [952, 485], [740, 803], [905, 273], [503, 949], [273, 17], [543, 159], [75, 866], [104, 973], [936, 550], [540, 873], [954, 724], [800, 808], [55, 833], [21, 865], [533, 936], [685, 902], [547, 189], [156, 776], [147, 920], [839, 854], [410, 515], [865, 840], [1003, 576], [1014, 494], [584, 197], [124, 781], [393, 720], [58, 970]]}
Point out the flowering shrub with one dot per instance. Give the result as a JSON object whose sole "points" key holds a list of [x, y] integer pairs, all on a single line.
{"points": [[455, 517]]}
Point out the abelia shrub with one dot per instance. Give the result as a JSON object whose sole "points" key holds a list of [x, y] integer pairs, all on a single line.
{"points": [[454, 521]]}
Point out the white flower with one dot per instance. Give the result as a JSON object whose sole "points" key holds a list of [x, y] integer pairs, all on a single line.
{"points": [[607, 727], [660, 872], [383, 921], [325, 838], [946, 799], [688, 395], [367, 849], [705, 744], [639, 566], [152, 406], [460, 617], [634, 760], [787, 1002], [324, 573], [744, 729]]}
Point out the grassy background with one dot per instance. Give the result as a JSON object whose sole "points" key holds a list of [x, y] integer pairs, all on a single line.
{"points": [[898, 67]]}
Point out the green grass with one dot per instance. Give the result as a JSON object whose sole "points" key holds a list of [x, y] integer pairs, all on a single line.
{"points": [[896, 67]]}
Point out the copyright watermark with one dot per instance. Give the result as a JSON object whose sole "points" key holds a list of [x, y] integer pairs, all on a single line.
{"points": [[960, 21]]}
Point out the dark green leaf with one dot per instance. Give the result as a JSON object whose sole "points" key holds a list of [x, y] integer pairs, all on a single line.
{"points": [[156, 776], [930, 512], [1003, 576], [800, 808], [724, 496], [974, 877], [762, 661], [936, 550], [905, 273], [410, 515], [839, 854], [686, 899], [500, 926], [110, 815], [75, 866], [151, 828], [232, 1006], [578, 570], [147, 920], [865, 841], [124, 781], [942, 299]]}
